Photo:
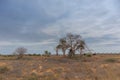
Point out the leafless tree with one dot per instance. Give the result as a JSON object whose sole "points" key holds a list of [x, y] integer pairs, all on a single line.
{"points": [[20, 52], [71, 42]]}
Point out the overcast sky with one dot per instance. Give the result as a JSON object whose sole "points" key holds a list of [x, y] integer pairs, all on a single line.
{"points": [[38, 24]]}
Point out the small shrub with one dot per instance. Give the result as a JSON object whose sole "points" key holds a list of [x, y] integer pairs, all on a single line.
{"points": [[75, 57], [20, 52], [48, 76], [88, 55], [94, 54], [31, 77], [111, 60], [3, 69], [84, 54], [36, 54], [29, 54], [46, 54]]}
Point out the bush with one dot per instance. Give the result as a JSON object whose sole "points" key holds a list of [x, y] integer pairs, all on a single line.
{"points": [[88, 55], [111, 60], [94, 54], [31, 77], [84, 54], [36, 54], [47, 54], [29, 54], [20, 52], [3, 69]]}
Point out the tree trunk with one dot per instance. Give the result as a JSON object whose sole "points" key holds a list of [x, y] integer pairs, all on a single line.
{"points": [[70, 53], [73, 52], [81, 51], [64, 53], [56, 52]]}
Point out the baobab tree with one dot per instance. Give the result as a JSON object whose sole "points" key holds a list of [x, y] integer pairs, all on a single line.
{"points": [[71, 42]]}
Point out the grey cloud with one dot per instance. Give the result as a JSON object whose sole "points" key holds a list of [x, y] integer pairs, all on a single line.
{"points": [[35, 21]]}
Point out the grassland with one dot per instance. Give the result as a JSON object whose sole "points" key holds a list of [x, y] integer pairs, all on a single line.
{"points": [[97, 67]]}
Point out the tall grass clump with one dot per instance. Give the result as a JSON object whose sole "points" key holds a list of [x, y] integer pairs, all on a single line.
{"points": [[110, 60], [3, 69]]}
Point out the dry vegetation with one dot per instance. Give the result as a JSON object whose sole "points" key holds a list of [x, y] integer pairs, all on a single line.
{"points": [[97, 67]]}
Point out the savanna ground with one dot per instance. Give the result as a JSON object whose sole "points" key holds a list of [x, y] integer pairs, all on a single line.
{"points": [[97, 67]]}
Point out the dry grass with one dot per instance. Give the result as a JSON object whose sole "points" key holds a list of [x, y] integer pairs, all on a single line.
{"points": [[98, 67]]}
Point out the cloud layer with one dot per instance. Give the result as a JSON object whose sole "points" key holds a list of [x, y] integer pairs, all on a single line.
{"points": [[38, 24]]}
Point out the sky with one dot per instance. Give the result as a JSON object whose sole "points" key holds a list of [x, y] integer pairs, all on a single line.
{"points": [[38, 24]]}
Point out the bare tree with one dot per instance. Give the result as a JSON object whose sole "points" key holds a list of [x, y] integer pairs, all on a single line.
{"points": [[71, 42], [20, 52]]}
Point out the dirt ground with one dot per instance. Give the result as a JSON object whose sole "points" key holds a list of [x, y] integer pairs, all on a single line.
{"points": [[97, 67]]}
